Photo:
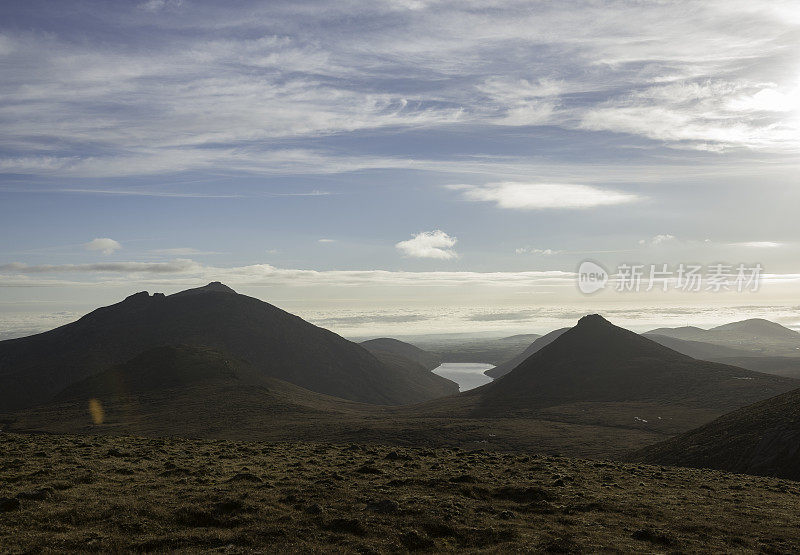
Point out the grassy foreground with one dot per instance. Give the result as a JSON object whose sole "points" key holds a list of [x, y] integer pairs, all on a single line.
{"points": [[87, 493]]}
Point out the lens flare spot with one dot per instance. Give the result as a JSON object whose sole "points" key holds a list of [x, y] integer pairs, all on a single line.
{"points": [[96, 410]]}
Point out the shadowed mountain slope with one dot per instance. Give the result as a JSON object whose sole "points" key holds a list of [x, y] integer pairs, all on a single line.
{"points": [[763, 439], [540, 342], [597, 362], [159, 369], [521, 337], [182, 390], [198, 392], [274, 342], [788, 367], [697, 349], [407, 350], [422, 383]]}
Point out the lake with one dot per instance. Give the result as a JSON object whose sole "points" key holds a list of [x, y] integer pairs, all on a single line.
{"points": [[468, 375]]}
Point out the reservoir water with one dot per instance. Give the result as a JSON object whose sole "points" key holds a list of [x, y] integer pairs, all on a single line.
{"points": [[468, 375]]}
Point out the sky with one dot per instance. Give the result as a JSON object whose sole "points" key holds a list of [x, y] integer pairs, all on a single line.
{"points": [[400, 167]]}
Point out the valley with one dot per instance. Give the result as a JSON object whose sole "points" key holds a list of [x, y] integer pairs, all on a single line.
{"points": [[208, 443]]}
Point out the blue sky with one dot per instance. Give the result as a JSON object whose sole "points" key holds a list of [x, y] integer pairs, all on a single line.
{"points": [[353, 162]]}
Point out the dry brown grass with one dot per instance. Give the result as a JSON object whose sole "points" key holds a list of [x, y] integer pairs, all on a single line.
{"points": [[129, 493]]}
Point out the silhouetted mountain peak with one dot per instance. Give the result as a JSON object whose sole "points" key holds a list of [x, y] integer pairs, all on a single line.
{"points": [[594, 338], [136, 297], [143, 296], [273, 342], [593, 321], [213, 287], [596, 361]]}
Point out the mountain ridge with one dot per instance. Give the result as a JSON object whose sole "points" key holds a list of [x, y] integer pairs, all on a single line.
{"points": [[277, 343], [598, 362], [540, 342]]}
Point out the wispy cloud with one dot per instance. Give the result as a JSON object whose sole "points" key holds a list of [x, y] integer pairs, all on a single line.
{"points": [[429, 244], [759, 244], [705, 115], [658, 239], [371, 318], [137, 193], [183, 251], [158, 5], [174, 267], [266, 274], [534, 250], [542, 196], [225, 83]]}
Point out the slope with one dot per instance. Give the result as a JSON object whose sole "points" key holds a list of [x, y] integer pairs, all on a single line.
{"points": [[763, 439], [274, 342], [540, 342]]}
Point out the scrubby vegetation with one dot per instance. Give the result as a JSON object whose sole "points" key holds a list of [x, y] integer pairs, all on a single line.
{"points": [[85, 493]]}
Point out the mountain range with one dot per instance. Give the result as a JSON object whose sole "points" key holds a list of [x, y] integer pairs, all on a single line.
{"points": [[736, 344], [277, 344], [757, 336], [208, 362], [598, 362]]}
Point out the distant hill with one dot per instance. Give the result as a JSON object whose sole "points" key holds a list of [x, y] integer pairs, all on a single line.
{"points": [[598, 374], [277, 344], [697, 349], [779, 366], [763, 439], [412, 361], [598, 361], [470, 349], [422, 383], [539, 342], [688, 333], [407, 350], [756, 335], [757, 327], [521, 337]]}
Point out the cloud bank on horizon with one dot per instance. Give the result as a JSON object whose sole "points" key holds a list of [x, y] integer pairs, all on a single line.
{"points": [[337, 137]]}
